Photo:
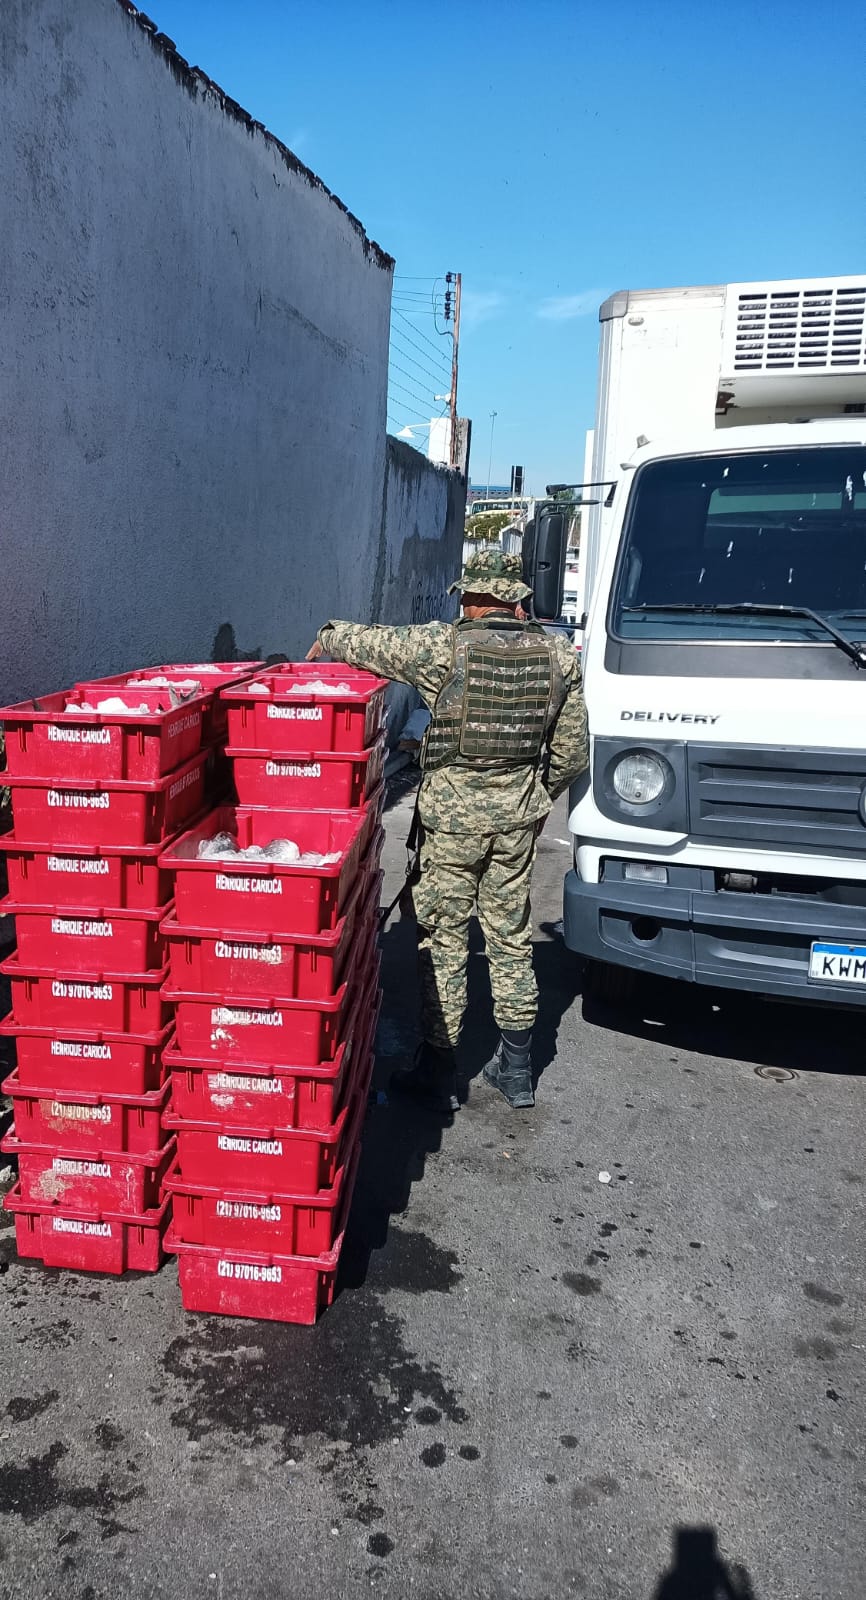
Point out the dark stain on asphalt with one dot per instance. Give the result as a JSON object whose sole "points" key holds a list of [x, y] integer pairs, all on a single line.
{"points": [[833, 1395], [608, 1228], [434, 1455], [590, 1492], [418, 1266], [469, 1452], [22, 1408], [641, 1252], [57, 1335], [380, 1545], [356, 1388], [822, 1297], [32, 1489], [595, 1256], [367, 1513], [816, 1349], [568, 1441], [108, 1437], [581, 1283], [428, 1415]]}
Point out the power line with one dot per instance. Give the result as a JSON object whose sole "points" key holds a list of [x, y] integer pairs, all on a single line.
{"points": [[428, 371], [404, 318], [420, 399], [395, 367], [407, 420]]}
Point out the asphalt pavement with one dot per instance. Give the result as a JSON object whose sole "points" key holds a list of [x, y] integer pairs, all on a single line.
{"points": [[533, 1383]]}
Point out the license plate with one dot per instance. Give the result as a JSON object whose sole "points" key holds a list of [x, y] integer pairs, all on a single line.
{"points": [[838, 963]]}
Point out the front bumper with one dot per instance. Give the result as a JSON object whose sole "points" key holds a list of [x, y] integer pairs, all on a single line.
{"points": [[739, 941]]}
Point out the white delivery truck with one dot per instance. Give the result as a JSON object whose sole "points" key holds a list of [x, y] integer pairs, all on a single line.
{"points": [[720, 833]]}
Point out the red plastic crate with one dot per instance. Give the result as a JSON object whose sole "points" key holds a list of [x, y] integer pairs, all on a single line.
{"points": [[264, 894], [126, 1123], [125, 1002], [282, 819], [293, 720], [213, 676], [92, 1180], [76, 940], [243, 1093], [261, 1027], [287, 1224], [271, 1288], [89, 1062], [89, 876], [320, 780], [313, 967], [86, 812], [89, 1241], [46, 738], [259, 1159]]}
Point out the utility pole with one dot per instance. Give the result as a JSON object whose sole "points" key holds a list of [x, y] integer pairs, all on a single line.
{"points": [[457, 279], [493, 416]]}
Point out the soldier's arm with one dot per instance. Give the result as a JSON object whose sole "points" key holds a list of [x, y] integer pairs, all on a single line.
{"points": [[569, 744], [418, 655]]}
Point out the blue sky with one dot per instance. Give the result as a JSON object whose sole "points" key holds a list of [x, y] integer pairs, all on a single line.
{"points": [[555, 151]]}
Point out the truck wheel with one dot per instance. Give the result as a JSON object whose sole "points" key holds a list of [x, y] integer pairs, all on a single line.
{"points": [[609, 985]]}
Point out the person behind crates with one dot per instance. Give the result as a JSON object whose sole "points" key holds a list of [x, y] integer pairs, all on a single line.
{"points": [[507, 736]]}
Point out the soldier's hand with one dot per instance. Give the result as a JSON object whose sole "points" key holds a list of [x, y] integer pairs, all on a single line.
{"points": [[314, 652]]}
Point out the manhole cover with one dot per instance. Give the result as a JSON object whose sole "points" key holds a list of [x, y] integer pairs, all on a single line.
{"points": [[775, 1074]]}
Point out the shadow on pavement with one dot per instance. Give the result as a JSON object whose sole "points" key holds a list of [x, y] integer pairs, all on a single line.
{"points": [[699, 1573], [400, 1137], [743, 1027]]}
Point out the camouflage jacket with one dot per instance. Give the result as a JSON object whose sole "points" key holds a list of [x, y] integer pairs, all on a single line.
{"points": [[451, 798]]}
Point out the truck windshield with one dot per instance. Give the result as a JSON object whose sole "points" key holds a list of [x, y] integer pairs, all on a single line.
{"points": [[780, 528]]}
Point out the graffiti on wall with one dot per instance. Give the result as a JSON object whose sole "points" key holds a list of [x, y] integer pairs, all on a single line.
{"points": [[429, 607]]}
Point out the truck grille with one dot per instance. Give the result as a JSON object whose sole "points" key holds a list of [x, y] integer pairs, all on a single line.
{"points": [[796, 329], [779, 799]]}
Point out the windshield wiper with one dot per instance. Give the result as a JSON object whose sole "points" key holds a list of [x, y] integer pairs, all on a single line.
{"points": [[855, 652]]}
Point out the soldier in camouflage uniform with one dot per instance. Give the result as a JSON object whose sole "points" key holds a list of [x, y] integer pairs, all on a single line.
{"points": [[507, 736]]}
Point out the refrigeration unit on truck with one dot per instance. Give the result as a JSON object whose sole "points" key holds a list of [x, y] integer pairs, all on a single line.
{"points": [[720, 833]]}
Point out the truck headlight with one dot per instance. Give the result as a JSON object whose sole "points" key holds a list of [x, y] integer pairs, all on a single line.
{"points": [[639, 778], [644, 784]]}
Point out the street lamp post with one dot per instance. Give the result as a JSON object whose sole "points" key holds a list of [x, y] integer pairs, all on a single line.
{"points": [[490, 458]]}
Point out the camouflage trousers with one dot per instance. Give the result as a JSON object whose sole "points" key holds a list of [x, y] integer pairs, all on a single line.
{"points": [[461, 873]]}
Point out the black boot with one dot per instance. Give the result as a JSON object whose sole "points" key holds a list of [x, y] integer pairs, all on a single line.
{"points": [[510, 1071], [431, 1079]]}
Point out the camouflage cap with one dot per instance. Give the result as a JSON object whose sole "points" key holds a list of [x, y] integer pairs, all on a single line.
{"points": [[493, 572]]}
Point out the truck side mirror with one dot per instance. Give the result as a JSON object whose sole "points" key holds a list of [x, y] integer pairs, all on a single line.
{"points": [[544, 549]]}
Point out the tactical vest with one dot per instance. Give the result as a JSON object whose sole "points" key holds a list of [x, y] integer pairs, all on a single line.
{"points": [[502, 695]]}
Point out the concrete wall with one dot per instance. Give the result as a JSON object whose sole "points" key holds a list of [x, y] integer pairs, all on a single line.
{"points": [[419, 549], [193, 371]]}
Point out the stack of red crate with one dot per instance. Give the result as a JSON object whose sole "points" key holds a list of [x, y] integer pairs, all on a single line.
{"points": [[205, 678], [274, 974], [96, 793]]}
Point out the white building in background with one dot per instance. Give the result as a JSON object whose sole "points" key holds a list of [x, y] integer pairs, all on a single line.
{"points": [[439, 441]]}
